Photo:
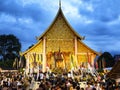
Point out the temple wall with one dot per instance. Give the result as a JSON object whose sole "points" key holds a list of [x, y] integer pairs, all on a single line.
{"points": [[82, 48], [38, 48], [63, 45], [60, 36], [85, 55], [35, 50], [34, 57]]}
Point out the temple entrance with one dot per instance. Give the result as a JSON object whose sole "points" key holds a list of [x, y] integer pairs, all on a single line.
{"points": [[58, 59]]}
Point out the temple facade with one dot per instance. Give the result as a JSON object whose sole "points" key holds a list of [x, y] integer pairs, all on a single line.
{"points": [[58, 47]]}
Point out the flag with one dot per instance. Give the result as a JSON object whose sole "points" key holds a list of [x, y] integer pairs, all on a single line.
{"points": [[63, 60], [89, 59], [72, 63], [41, 57], [14, 63], [20, 62], [47, 65], [96, 65]]}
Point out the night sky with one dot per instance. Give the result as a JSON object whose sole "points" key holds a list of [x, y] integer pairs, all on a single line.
{"points": [[97, 20]]}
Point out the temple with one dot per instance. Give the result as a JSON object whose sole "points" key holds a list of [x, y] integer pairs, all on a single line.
{"points": [[60, 46]]}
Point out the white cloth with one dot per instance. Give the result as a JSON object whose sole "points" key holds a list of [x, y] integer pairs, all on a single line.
{"points": [[41, 76]]}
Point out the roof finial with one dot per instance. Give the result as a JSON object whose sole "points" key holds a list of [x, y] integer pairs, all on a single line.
{"points": [[59, 3]]}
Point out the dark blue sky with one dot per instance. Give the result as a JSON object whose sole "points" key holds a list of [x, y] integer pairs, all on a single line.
{"points": [[97, 20]]}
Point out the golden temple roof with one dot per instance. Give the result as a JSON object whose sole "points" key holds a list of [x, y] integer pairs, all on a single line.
{"points": [[61, 13]]}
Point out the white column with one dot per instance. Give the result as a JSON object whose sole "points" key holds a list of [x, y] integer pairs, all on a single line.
{"points": [[44, 55], [75, 45], [31, 68], [92, 59]]}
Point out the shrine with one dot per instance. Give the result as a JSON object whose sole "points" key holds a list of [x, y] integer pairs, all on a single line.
{"points": [[59, 46]]}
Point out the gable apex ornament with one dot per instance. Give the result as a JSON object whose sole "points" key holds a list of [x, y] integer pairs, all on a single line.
{"points": [[59, 3]]}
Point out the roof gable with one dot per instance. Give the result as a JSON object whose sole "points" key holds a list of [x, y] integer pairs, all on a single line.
{"points": [[60, 14]]}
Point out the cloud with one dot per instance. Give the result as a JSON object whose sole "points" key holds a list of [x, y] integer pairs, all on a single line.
{"points": [[100, 10], [22, 18], [98, 20], [19, 10]]}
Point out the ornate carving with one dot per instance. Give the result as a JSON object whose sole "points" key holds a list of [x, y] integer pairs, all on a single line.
{"points": [[60, 30]]}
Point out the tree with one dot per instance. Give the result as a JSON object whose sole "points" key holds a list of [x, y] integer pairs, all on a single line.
{"points": [[9, 47], [105, 60]]}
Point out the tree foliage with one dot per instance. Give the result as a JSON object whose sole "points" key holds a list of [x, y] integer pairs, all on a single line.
{"points": [[9, 46], [6, 64], [108, 59]]}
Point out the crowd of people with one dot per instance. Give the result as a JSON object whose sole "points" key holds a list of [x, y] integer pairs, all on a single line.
{"points": [[54, 81], [67, 81], [12, 81]]}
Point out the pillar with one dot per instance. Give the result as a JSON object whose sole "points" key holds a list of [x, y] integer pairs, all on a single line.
{"points": [[76, 51], [44, 55], [92, 59], [27, 65]]}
